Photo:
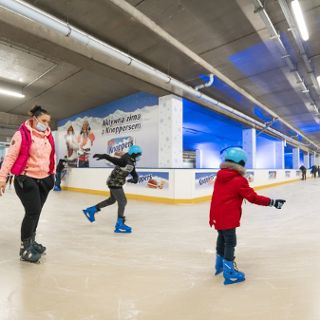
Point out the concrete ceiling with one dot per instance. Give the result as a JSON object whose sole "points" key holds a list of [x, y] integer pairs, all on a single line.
{"points": [[227, 34]]}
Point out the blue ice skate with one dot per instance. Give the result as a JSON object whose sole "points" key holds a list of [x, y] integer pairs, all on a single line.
{"points": [[231, 273], [120, 227], [90, 212], [56, 188], [219, 265]]}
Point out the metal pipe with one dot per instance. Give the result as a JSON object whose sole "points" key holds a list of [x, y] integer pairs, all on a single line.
{"points": [[286, 56], [207, 84], [91, 47], [155, 28], [296, 35]]}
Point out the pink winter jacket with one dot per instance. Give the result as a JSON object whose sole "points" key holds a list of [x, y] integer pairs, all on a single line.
{"points": [[38, 162]]}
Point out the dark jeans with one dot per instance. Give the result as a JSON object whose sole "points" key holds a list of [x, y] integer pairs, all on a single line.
{"points": [[33, 194], [58, 179], [116, 195], [304, 175], [226, 242]]}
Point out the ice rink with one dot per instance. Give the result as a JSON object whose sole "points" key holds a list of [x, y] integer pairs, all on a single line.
{"points": [[164, 269]]}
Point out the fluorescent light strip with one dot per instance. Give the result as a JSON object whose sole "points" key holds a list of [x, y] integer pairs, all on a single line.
{"points": [[296, 8], [11, 93]]}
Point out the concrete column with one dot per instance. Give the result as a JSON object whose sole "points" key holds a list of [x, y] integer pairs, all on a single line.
{"points": [[313, 159], [170, 132], [296, 158], [198, 158], [249, 145], [279, 154], [306, 160]]}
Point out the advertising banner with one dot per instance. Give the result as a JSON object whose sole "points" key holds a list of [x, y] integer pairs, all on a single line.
{"points": [[272, 174], [204, 180], [111, 129], [153, 180], [250, 176]]}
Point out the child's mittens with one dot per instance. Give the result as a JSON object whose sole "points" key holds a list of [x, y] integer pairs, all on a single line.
{"points": [[277, 203]]}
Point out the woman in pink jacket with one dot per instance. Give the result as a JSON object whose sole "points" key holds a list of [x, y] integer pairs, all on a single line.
{"points": [[31, 158]]}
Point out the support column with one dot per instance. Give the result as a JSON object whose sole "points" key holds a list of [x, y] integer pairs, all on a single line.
{"points": [[198, 158], [306, 160], [296, 158], [170, 132], [249, 145], [313, 159], [279, 154]]}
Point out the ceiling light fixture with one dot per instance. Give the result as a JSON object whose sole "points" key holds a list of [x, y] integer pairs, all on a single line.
{"points": [[296, 8], [318, 79], [11, 93]]}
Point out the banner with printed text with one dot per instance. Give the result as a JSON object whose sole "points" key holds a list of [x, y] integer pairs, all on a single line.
{"points": [[204, 180], [153, 180], [111, 129]]}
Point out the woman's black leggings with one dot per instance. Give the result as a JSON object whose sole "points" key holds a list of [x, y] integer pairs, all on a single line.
{"points": [[116, 195], [33, 194]]}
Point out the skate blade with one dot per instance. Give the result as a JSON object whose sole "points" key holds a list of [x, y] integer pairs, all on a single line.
{"points": [[88, 216], [119, 231], [218, 272], [230, 281], [34, 262]]}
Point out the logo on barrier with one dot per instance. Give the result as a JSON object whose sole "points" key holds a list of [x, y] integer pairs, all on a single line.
{"points": [[272, 174], [118, 146], [153, 180], [250, 176], [205, 180]]}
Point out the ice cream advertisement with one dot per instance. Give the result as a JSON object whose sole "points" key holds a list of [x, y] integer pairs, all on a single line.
{"points": [[204, 180], [153, 180]]}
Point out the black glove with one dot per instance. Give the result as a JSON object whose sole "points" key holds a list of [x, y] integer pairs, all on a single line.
{"points": [[99, 156], [277, 203]]}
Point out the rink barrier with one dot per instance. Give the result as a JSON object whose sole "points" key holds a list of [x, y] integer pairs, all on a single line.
{"points": [[169, 200]]}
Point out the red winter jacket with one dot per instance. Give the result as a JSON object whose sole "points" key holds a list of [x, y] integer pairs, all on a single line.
{"points": [[230, 188]]}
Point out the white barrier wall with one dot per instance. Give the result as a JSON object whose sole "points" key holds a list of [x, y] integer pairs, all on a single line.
{"points": [[170, 185]]}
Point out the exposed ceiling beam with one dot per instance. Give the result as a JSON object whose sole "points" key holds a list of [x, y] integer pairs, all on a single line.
{"points": [[151, 25]]}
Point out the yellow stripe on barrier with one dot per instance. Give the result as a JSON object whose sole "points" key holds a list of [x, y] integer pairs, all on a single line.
{"points": [[168, 200]]}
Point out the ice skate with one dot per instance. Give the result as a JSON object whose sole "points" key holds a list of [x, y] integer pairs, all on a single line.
{"points": [[219, 264], [56, 188], [38, 246], [231, 273], [28, 253], [90, 212], [120, 227]]}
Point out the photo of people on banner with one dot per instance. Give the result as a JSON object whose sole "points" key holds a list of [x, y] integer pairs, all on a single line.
{"points": [[79, 146], [110, 129]]}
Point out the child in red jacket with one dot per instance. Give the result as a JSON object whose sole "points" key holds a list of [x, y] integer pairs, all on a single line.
{"points": [[230, 188]]}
